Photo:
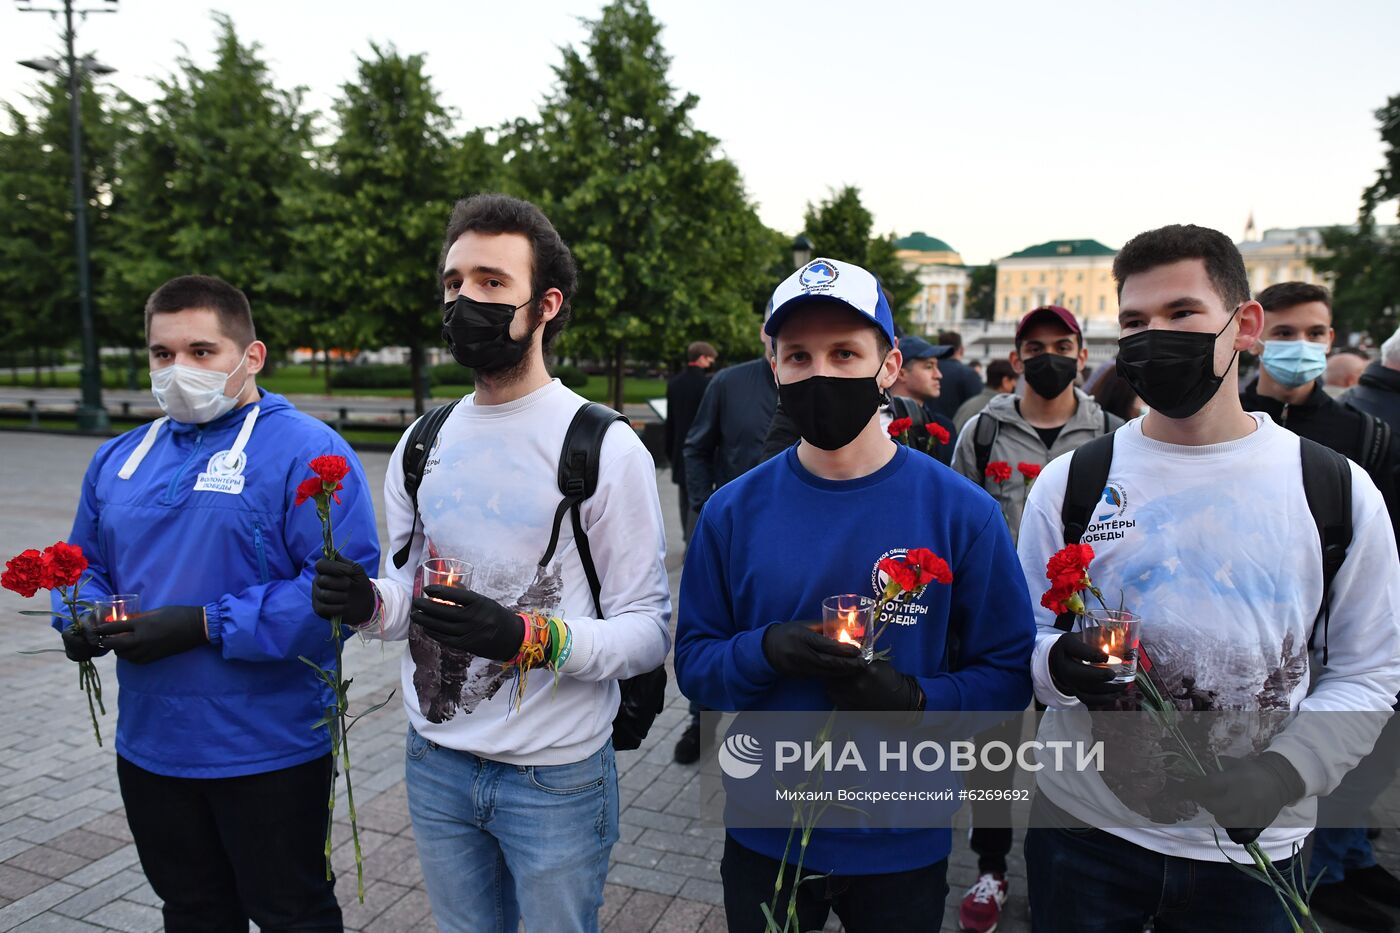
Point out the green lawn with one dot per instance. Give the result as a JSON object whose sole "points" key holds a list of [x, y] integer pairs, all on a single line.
{"points": [[298, 380]]}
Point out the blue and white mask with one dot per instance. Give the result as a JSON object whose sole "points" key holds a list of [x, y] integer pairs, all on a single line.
{"points": [[1293, 363]]}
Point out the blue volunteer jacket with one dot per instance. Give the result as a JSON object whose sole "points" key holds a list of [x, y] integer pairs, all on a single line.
{"points": [[770, 546], [182, 531]]}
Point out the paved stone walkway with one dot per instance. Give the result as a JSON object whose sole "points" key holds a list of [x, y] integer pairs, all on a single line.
{"points": [[66, 859]]}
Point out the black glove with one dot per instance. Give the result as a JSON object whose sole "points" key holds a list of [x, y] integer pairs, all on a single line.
{"points": [[469, 622], [878, 687], [342, 588], [795, 649], [1073, 677], [80, 641], [1247, 792], [153, 635]]}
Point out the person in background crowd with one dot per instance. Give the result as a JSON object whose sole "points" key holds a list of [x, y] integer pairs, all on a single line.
{"points": [[1377, 392], [1001, 380], [223, 777], [959, 382], [976, 367], [1344, 369], [742, 642], [1232, 594], [1292, 358], [920, 381], [1114, 395], [683, 394], [725, 441]]}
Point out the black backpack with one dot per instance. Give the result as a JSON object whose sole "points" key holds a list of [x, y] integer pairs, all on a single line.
{"points": [[643, 696], [1326, 484]]}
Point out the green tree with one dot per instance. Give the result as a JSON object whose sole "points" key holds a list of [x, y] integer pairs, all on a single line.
{"points": [[1365, 260], [840, 228], [204, 182], [668, 245], [982, 293], [369, 226], [38, 265]]}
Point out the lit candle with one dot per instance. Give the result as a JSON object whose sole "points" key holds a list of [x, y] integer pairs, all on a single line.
{"points": [[851, 629]]}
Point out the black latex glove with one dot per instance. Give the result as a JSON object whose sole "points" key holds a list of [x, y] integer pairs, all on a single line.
{"points": [[153, 635], [469, 622], [80, 641], [1247, 792], [795, 649], [878, 687], [1073, 677], [342, 588]]}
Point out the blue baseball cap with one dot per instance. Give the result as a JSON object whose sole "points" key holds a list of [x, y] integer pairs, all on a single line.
{"points": [[917, 348], [830, 281]]}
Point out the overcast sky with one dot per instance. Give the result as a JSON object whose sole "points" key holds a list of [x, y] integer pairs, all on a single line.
{"points": [[991, 125]]}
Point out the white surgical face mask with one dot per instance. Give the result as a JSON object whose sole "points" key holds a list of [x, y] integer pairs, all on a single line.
{"points": [[193, 395]]}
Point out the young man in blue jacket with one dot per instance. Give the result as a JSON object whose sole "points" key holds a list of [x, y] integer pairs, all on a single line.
{"points": [[223, 777], [816, 521]]}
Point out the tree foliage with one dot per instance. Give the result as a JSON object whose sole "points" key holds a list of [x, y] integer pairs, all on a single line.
{"points": [[1365, 260], [982, 293], [668, 245], [204, 181]]}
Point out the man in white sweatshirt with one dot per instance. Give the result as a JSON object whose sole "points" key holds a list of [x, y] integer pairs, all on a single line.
{"points": [[1205, 531], [511, 684]]}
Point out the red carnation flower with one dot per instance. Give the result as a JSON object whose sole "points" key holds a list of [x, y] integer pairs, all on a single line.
{"points": [[330, 468], [938, 432], [899, 425], [1029, 470], [309, 489], [64, 564], [26, 574], [999, 470], [1070, 560], [932, 568]]}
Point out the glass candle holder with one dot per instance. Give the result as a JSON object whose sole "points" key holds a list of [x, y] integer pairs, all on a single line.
{"points": [[442, 571], [1115, 632], [850, 619], [116, 608]]}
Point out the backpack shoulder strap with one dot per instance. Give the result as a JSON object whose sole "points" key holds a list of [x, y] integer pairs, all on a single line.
{"points": [[983, 437], [578, 479], [1375, 441], [415, 459], [1327, 486], [1088, 475]]}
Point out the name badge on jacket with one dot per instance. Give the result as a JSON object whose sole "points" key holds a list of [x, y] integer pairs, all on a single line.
{"points": [[224, 473]]}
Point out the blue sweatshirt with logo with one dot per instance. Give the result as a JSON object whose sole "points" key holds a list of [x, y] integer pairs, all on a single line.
{"points": [[771, 545], [183, 531]]}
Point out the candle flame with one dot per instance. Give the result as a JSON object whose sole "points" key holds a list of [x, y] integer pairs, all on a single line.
{"points": [[844, 636]]}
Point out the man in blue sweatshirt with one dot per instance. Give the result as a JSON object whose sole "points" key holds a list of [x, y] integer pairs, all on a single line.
{"points": [[816, 521], [223, 777]]}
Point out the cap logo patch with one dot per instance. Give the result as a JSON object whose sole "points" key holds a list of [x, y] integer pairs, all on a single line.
{"points": [[819, 274]]}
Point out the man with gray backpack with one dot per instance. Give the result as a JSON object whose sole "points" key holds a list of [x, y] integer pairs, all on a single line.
{"points": [[543, 650]]}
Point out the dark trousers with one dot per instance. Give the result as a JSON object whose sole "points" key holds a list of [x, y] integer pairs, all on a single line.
{"points": [[991, 819], [1084, 880], [903, 901], [222, 851], [688, 515]]}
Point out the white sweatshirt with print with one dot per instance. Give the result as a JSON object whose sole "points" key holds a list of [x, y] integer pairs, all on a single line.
{"points": [[489, 494], [1215, 549]]}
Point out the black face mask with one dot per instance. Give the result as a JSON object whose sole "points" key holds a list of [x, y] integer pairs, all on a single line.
{"points": [[1049, 374], [830, 411], [478, 334], [1172, 371]]}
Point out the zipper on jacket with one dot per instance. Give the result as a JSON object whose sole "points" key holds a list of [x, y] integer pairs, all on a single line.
{"points": [[1283, 418], [262, 551], [175, 480]]}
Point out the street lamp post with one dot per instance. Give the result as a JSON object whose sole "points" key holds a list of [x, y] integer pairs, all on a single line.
{"points": [[801, 251], [92, 417]]}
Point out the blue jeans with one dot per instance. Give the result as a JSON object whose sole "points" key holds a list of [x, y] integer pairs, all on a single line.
{"points": [[1085, 880], [501, 842], [1338, 851]]}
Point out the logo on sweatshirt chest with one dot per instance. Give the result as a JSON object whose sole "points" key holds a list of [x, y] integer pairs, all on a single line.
{"points": [[223, 473], [1109, 521], [898, 612]]}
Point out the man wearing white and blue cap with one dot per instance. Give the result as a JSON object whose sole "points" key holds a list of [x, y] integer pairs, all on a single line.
{"points": [[817, 520]]}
